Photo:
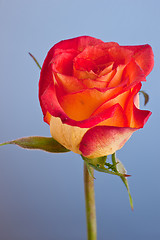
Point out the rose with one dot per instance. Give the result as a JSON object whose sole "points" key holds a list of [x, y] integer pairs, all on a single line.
{"points": [[88, 92]]}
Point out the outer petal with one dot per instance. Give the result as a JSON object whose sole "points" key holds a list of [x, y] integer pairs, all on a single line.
{"points": [[143, 56], [69, 136], [78, 43], [63, 62], [120, 55], [102, 140], [46, 79], [136, 117]]}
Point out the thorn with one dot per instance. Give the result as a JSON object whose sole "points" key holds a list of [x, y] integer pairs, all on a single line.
{"points": [[127, 175]]}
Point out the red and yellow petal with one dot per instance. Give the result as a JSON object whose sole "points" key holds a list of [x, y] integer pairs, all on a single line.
{"points": [[97, 53], [143, 56], [133, 74], [118, 119], [103, 140], [108, 68], [81, 105], [136, 117], [63, 62], [52, 107], [90, 84], [69, 136], [117, 78], [69, 84], [78, 43], [46, 78]]}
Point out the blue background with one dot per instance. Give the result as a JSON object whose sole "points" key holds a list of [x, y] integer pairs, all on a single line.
{"points": [[41, 194]]}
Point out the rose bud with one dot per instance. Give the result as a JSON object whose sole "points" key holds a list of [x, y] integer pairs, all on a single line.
{"points": [[88, 92]]}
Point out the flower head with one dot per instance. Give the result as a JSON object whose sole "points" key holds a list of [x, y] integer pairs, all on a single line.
{"points": [[88, 92]]}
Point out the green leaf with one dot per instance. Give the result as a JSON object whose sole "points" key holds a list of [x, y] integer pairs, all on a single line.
{"points": [[121, 169], [146, 97], [42, 143], [35, 60], [100, 165]]}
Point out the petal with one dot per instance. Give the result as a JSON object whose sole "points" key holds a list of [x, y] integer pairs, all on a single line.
{"points": [[133, 74], [120, 55], [111, 116], [69, 84], [93, 58], [63, 62], [50, 104], [99, 83], [78, 43], [79, 106], [103, 140], [118, 119], [47, 117], [52, 107], [136, 117], [143, 56], [97, 53], [83, 64], [117, 78], [107, 77], [108, 68], [140, 117], [89, 83], [84, 74], [46, 78], [69, 136]]}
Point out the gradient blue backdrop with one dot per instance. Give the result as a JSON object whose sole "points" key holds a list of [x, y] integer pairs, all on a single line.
{"points": [[41, 194]]}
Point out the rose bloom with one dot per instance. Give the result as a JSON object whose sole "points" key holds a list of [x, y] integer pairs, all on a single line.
{"points": [[88, 92]]}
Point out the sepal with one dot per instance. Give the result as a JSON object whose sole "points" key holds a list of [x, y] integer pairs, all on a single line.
{"points": [[116, 168], [121, 169], [100, 164], [47, 144]]}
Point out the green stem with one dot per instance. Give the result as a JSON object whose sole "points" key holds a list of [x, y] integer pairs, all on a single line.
{"points": [[90, 203]]}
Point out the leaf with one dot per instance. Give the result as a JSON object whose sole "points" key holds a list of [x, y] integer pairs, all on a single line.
{"points": [[121, 169], [146, 97], [42, 143], [35, 60]]}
